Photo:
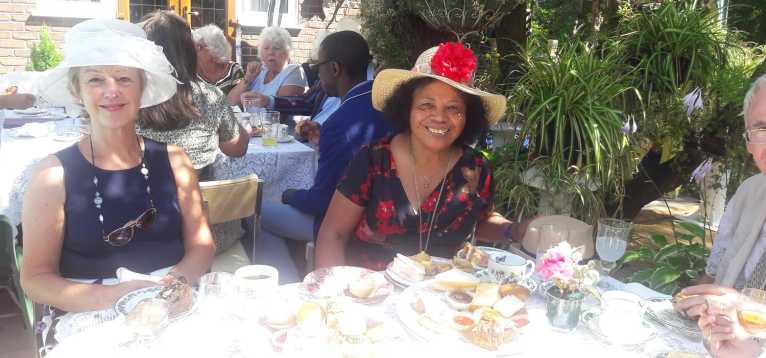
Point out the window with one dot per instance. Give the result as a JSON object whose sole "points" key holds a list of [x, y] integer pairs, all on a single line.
{"points": [[255, 12], [76, 8]]}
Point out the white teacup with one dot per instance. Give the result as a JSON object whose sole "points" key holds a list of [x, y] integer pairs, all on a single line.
{"points": [[505, 265], [256, 279], [622, 315]]}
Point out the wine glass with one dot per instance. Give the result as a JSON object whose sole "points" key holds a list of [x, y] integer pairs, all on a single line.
{"points": [[751, 311], [611, 241]]}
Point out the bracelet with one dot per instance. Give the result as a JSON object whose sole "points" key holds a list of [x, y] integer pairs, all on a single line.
{"points": [[178, 276], [508, 232]]}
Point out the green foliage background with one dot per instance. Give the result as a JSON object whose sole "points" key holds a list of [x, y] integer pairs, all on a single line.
{"points": [[44, 53]]}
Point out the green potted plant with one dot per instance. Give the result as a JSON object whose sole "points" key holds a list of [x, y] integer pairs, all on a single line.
{"points": [[44, 53], [568, 107]]}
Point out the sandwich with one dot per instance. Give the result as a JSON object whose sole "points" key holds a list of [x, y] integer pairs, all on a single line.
{"points": [[487, 294], [408, 269], [455, 279]]}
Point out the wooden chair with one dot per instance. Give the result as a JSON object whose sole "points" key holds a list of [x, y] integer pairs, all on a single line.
{"points": [[227, 200]]}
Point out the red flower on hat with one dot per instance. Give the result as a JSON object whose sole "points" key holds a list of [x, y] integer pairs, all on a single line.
{"points": [[454, 61]]}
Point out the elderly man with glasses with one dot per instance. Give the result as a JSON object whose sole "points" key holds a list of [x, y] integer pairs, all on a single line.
{"points": [[738, 257]]}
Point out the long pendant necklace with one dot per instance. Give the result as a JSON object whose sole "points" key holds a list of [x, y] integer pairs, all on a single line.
{"points": [[98, 200], [435, 213]]}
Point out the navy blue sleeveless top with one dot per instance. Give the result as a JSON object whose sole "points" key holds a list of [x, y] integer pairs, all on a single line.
{"points": [[84, 253]]}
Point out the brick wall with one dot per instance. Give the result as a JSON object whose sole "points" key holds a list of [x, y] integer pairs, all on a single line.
{"points": [[19, 31]]}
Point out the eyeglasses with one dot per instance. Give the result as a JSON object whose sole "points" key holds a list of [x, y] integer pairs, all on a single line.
{"points": [[123, 235], [315, 66], [755, 135]]}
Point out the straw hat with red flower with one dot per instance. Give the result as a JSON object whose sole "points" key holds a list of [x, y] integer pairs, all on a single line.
{"points": [[451, 63]]}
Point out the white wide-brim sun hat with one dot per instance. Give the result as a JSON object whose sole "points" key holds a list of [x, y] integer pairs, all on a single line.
{"points": [[389, 80], [110, 42]]}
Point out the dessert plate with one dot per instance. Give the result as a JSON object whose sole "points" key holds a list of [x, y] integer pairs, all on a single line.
{"points": [[331, 282], [126, 303]]}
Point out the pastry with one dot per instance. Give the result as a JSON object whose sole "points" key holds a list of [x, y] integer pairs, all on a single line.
{"points": [[471, 255], [487, 294], [491, 331], [508, 306], [362, 288], [310, 314], [280, 317], [517, 290], [148, 315], [455, 279]]}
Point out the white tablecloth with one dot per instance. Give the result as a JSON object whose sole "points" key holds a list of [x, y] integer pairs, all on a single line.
{"points": [[287, 165], [195, 336], [290, 165]]}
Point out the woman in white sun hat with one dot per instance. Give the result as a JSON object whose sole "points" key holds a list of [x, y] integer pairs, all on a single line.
{"points": [[424, 189], [114, 199]]}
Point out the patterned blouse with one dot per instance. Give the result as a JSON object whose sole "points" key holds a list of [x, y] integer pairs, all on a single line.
{"points": [[200, 138], [231, 79], [389, 223]]}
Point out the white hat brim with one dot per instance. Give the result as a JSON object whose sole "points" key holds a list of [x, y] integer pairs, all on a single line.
{"points": [[389, 80], [133, 52]]}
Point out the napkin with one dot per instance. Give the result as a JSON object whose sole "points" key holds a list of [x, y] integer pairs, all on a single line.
{"points": [[124, 274], [35, 130]]}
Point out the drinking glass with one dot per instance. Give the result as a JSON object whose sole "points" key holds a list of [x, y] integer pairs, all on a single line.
{"points": [[215, 288], [550, 236], [252, 104], [270, 117], [751, 311], [611, 241]]}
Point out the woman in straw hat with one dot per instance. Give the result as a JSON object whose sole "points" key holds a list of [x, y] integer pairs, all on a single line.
{"points": [[424, 189], [113, 199]]}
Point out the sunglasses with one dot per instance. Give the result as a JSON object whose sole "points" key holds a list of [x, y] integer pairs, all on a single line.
{"points": [[123, 235], [315, 66]]}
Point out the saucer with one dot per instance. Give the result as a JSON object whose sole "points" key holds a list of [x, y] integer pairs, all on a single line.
{"points": [[635, 337], [287, 139]]}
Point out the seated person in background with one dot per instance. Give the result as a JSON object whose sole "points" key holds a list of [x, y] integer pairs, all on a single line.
{"points": [[738, 256], [274, 75], [424, 189], [197, 118], [343, 59], [13, 100], [214, 64], [114, 199]]}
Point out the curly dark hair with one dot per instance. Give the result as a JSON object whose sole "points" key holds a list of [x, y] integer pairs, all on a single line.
{"points": [[397, 110]]}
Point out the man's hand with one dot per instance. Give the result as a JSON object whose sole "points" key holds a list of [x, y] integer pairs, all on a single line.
{"points": [[286, 195], [308, 130], [17, 101], [693, 301]]}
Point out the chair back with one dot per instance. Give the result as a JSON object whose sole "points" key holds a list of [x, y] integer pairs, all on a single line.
{"points": [[228, 200]]}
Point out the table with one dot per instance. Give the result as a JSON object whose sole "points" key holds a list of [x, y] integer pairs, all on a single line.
{"points": [[287, 165], [291, 165], [237, 337]]}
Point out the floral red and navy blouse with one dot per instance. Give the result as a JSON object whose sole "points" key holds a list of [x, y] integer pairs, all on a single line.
{"points": [[389, 223]]}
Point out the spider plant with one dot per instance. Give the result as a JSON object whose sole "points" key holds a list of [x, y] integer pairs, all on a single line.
{"points": [[569, 108], [673, 45]]}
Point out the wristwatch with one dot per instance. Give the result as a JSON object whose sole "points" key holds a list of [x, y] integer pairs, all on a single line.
{"points": [[508, 232]]}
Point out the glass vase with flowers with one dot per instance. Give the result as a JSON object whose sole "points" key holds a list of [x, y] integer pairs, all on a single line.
{"points": [[568, 283]]}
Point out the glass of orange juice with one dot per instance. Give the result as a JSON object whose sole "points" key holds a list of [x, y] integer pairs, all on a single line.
{"points": [[751, 310]]}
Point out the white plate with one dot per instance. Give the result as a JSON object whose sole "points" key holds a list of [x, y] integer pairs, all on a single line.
{"points": [[637, 337], [331, 282], [403, 282], [126, 303], [448, 337], [31, 111], [287, 139]]}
